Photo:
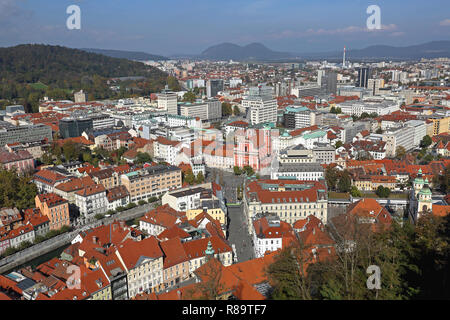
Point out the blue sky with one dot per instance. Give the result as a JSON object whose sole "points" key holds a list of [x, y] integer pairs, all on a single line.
{"points": [[177, 26]]}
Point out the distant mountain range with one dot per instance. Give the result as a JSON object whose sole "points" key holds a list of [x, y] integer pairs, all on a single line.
{"points": [[253, 51], [130, 55], [259, 52], [434, 49]]}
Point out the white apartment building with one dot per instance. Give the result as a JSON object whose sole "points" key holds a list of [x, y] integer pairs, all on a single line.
{"points": [[184, 199], [168, 100], [298, 171], [167, 150], [357, 107], [268, 233], [21, 234], [420, 130], [261, 109], [199, 110], [91, 201], [401, 136]]}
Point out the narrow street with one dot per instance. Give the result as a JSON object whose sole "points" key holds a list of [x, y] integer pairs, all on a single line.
{"points": [[238, 235]]}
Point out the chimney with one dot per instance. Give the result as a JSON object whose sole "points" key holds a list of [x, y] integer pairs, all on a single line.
{"points": [[314, 230], [114, 227], [179, 294], [94, 239], [121, 224]]}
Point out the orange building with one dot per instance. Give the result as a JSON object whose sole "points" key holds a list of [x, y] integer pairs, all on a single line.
{"points": [[55, 208]]}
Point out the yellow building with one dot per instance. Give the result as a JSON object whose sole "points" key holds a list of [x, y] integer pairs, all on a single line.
{"points": [[215, 213], [440, 125]]}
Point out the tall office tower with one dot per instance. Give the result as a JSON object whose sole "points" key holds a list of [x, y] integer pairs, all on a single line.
{"points": [[260, 105], [281, 89], [213, 87], [214, 109], [375, 85], [363, 77], [329, 82], [320, 74], [167, 100]]}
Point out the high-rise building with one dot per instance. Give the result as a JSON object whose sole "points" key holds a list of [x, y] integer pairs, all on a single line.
{"points": [[80, 96], [260, 105], [213, 87], [363, 77], [329, 82], [167, 100], [320, 74], [71, 127], [301, 117], [214, 109], [375, 85]]}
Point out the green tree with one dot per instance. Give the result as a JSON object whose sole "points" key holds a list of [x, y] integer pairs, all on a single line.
{"points": [[400, 152], [427, 158], [288, 273], [236, 111], [200, 177], [173, 84], [444, 180], [364, 115], [142, 157], [426, 142], [189, 177], [338, 144], [355, 192], [249, 171], [383, 192], [226, 109], [16, 191], [99, 216], [331, 176], [189, 97], [237, 171], [345, 182]]}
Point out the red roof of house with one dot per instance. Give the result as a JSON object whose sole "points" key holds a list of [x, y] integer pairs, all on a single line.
{"points": [[132, 251], [173, 252]]}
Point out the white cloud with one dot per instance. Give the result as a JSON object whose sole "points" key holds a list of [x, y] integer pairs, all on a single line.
{"points": [[339, 31], [445, 23]]}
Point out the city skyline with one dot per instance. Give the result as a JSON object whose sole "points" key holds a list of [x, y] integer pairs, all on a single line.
{"points": [[180, 27]]}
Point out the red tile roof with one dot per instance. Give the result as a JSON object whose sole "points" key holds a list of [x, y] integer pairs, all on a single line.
{"points": [[173, 252]]}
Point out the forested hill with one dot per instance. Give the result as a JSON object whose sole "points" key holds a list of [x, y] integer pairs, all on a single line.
{"points": [[30, 72], [54, 64]]}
